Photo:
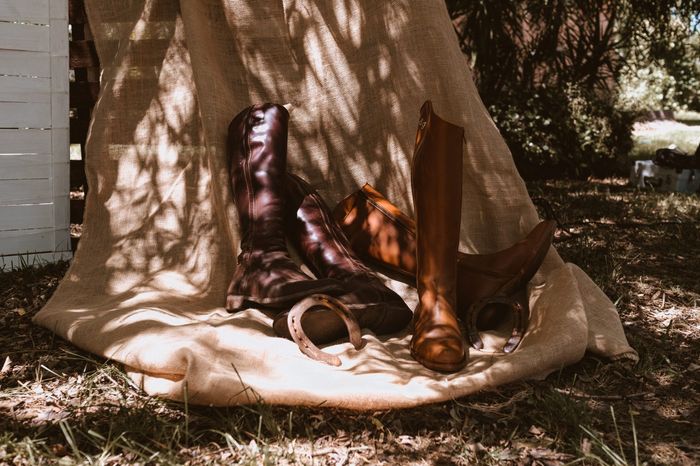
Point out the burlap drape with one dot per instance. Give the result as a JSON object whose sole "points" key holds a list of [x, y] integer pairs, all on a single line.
{"points": [[147, 284]]}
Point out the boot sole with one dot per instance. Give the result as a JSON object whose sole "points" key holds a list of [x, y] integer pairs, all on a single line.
{"points": [[439, 367]]}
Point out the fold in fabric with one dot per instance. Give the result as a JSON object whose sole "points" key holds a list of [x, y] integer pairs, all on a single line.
{"points": [[147, 284]]}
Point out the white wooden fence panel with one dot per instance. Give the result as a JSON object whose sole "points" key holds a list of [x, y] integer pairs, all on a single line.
{"points": [[33, 11], [25, 141], [61, 179], [25, 115], [25, 166], [34, 135], [22, 217], [25, 89], [12, 241], [25, 191], [30, 37], [17, 63]]}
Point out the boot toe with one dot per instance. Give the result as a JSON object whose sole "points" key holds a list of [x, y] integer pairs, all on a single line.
{"points": [[446, 354]]}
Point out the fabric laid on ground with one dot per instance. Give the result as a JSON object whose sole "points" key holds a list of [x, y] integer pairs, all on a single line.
{"points": [[147, 285]]}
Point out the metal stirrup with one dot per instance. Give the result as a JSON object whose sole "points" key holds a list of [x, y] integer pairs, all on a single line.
{"points": [[305, 344], [519, 325]]}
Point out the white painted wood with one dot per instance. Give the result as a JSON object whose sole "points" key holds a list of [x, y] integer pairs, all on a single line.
{"points": [[61, 211], [58, 9], [60, 143], [25, 191], [30, 37], [25, 89], [17, 63], [25, 141], [34, 134], [59, 74], [58, 29], [35, 11], [25, 115], [23, 241], [59, 113], [60, 182], [62, 240], [25, 166], [60, 147], [22, 217]]}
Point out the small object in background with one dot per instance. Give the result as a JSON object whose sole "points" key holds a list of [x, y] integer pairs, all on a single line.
{"points": [[673, 157], [671, 170], [645, 174]]}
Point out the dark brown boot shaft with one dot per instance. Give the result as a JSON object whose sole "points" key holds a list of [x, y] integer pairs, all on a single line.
{"points": [[311, 228], [257, 149], [265, 274]]}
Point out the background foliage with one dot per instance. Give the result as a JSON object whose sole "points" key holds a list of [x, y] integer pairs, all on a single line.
{"points": [[565, 79]]}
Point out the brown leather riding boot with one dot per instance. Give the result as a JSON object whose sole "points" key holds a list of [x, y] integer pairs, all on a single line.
{"points": [[381, 234], [436, 180], [265, 274], [324, 248]]}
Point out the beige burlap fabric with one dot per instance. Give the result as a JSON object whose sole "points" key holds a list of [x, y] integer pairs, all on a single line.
{"points": [[147, 284]]}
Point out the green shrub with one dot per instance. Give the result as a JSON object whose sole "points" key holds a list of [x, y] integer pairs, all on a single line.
{"points": [[564, 132]]}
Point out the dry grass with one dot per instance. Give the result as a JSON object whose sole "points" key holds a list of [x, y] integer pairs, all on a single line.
{"points": [[59, 405]]}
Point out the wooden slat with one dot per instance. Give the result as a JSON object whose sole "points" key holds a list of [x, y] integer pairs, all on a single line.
{"points": [[24, 89], [22, 241], [34, 11], [25, 166], [82, 54], [58, 9], [34, 166], [62, 240], [83, 93], [25, 63], [27, 37], [25, 191], [22, 217], [60, 113], [59, 35], [25, 115], [61, 211], [25, 141], [60, 182]]}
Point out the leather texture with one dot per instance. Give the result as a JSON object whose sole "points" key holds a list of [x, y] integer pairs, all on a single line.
{"points": [[436, 179], [491, 288], [265, 274], [322, 245], [380, 233]]}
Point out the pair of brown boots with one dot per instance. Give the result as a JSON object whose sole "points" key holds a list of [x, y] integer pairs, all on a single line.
{"points": [[272, 204]]}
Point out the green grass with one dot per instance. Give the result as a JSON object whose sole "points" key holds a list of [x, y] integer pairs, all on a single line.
{"points": [[59, 405], [685, 138], [688, 117]]}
